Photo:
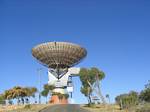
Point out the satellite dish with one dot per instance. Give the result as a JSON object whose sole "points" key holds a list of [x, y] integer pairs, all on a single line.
{"points": [[59, 56]]}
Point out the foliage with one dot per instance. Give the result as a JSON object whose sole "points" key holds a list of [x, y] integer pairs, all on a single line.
{"points": [[27, 106], [144, 108], [108, 97], [15, 92], [45, 93], [145, 94], [88, 78], [66, 96], [127, 100], [2, 99], [19, 93], [49, 88], [85, 90], [61, 96], [46, 89]]}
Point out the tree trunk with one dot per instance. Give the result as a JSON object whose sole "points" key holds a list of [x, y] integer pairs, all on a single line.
{"points": [[18, 101], [90, 101], [89, 96], [46, 100], [35, 100]]}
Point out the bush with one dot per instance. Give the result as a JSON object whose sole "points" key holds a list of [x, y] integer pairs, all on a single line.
{"points": [[27, 106], [92, 105], [61, 96], [127, 101], [66, 96], [144, 108], [2, 99], [145, 94]]}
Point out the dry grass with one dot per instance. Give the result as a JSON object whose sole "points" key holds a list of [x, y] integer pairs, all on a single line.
{"points": [[23, 108], [104, 108], [115, 108], [10, 107]]}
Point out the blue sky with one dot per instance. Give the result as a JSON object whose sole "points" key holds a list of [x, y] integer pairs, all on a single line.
{"points": [[116, 34]]}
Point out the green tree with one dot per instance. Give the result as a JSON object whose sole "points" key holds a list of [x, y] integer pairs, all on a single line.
{"points": [[30, 92], [46, 90], [2, 99], [127, 100], [60, 95], [145, 94], [108, 97], [87, 93], [45, 94], [34, 91], [48, 87], [89, 78], [8, 95], [19, 93]]}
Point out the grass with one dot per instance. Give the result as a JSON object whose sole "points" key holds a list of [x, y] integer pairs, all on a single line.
{"points": [[103, 108], [115, 108], [93, 108], [26, 108], [143, 108]]}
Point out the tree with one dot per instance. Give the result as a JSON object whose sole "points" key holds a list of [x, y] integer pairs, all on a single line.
{"points": [[145, 94], [2, 99], [48, 87], [34, 91], [19, 93], [127, 100], [46, 90], [8, 94], [45, 94], [30, 92], [87, 92], [107, 96], [61, 96], [90, 79]]}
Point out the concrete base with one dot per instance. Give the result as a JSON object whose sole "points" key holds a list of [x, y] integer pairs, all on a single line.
{"points": [[55, 100]]}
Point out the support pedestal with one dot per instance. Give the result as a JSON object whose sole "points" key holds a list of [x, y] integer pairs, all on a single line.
{"points": [[55, 100]]}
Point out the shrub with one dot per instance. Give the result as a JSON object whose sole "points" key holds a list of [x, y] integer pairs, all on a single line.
{"points": [[127, 100], [27, 106], [144, 108]]}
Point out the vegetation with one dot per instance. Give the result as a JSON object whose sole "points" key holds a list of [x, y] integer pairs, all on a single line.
{"points": [[89, 78], [61, 96], [145, 94], [143, 108], [46, 90], [127, 101], [108, 97], [139, 101], [2, 99], [25, 108], [132, 101], [22, 94], [104, 108]]}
